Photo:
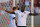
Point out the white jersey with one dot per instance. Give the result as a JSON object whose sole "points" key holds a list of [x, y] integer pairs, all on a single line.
{"points": [[22, 18], [11, 20], [17, 11]]}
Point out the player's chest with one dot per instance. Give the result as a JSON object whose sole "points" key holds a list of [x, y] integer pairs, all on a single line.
{"points": [[22, 14]]}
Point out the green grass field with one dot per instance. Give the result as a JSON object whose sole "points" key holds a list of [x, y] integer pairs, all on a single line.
{"points": [[34, 26], [37, 26]]}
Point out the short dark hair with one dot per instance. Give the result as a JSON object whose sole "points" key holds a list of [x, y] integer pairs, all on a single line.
{"points": [[22, 8], [14, 8]]}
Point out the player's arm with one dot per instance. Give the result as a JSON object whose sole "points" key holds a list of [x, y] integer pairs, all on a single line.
{"points": [[15, 20], [9, 12], [34, 14]]}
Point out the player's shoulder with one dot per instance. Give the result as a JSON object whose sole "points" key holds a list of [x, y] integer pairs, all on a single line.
{"points": [[27, 11], [11, 14], [18, 11]]}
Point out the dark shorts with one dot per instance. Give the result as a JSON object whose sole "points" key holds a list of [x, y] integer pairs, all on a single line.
{"points": [[21, 26]]}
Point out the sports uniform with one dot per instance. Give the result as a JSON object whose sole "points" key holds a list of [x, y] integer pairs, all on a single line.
{"points": [[12, 20], [22, 16]]}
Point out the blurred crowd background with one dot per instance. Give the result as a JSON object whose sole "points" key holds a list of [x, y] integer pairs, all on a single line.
{"points": [[18, 3], [37, 6]]}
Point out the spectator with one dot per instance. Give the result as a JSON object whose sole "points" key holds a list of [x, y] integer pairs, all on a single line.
{"points": [[35, 9], [39, 10], [28, 8], [27, 3]]}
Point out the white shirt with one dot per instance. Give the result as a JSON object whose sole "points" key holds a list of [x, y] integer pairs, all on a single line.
{"points": [[11, 20], [22, 18], [39, 10], [17, 11], [36, 10]]}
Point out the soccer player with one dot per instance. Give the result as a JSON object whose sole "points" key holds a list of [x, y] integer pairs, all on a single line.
{"points": [[12, 19], [22, 16]]}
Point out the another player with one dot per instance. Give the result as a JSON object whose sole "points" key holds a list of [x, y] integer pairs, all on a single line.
{"points": [[22, 16], [12, 19]]}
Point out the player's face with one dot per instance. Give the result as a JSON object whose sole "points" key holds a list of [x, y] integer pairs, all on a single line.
{"points": [[15, 9], [22, 9]]}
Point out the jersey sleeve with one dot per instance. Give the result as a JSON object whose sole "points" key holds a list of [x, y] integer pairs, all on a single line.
{"points": [[17, 11], [13, 15]]}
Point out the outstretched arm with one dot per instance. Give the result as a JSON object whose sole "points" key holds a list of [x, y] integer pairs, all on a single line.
{"points": [[9, 12], [34, 14]]}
